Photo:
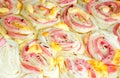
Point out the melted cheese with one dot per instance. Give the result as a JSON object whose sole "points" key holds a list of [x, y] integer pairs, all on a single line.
{"points": [[58, 61], [16, 24], [45, 33], [116, 16], [116, 59], [42, 1], [87, 1], [42, 8], [56, 46], [62, 25], [25, 28], [19, 6], [29, 8], [4, 10], [53, 13], [35, 48], [99, 67]]}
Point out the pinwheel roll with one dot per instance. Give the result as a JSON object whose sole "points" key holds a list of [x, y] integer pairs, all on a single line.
{"points": [[41, 14], [63, 3], [62, 40], [9, 59], [74, 67], [17, 27], [9, 7], [106, 13], [36, 57], [101, 45], [77, 19]]}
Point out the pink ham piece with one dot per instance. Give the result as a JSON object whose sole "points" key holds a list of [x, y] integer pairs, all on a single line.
{"points": [[116, 31], [2, 41]]}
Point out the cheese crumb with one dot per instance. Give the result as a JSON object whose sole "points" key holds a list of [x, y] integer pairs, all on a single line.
{"points": [[62, 25], [4, 10], [56, 46]]}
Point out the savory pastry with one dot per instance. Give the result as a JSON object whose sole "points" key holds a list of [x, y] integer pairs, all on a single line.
{"points": [[42, 14], [9, 59], [102, 46], [36, 57], [106, 13], [17, 27], [62, 40], [59, 39], [75, 67], [77, 19]]}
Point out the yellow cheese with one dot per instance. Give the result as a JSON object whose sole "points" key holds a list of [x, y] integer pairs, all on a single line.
{"points": [[100, 67], [42, 1], [45, 33], [62, 25], [35, 48], [116, 16], [58, 61], [42, 8], [16, 24], [29, 8], [19, 5], [52, 62], [4, 10], [53, 13], [56, 46], [87, 1], [116, 59], [25, 28]]}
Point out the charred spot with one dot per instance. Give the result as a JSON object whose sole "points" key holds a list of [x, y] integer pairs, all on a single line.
{"points": [[22, 20], [45, 46]]}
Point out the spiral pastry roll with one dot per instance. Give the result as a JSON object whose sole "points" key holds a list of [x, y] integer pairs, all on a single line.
{"points": [[74, 67], [62, 40], [42, 14], [63, 3], [102, 45], [36, 57], [77, 19], [17, 27], [81, 66], [9, 7], [106, 13], [9, 59]]}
